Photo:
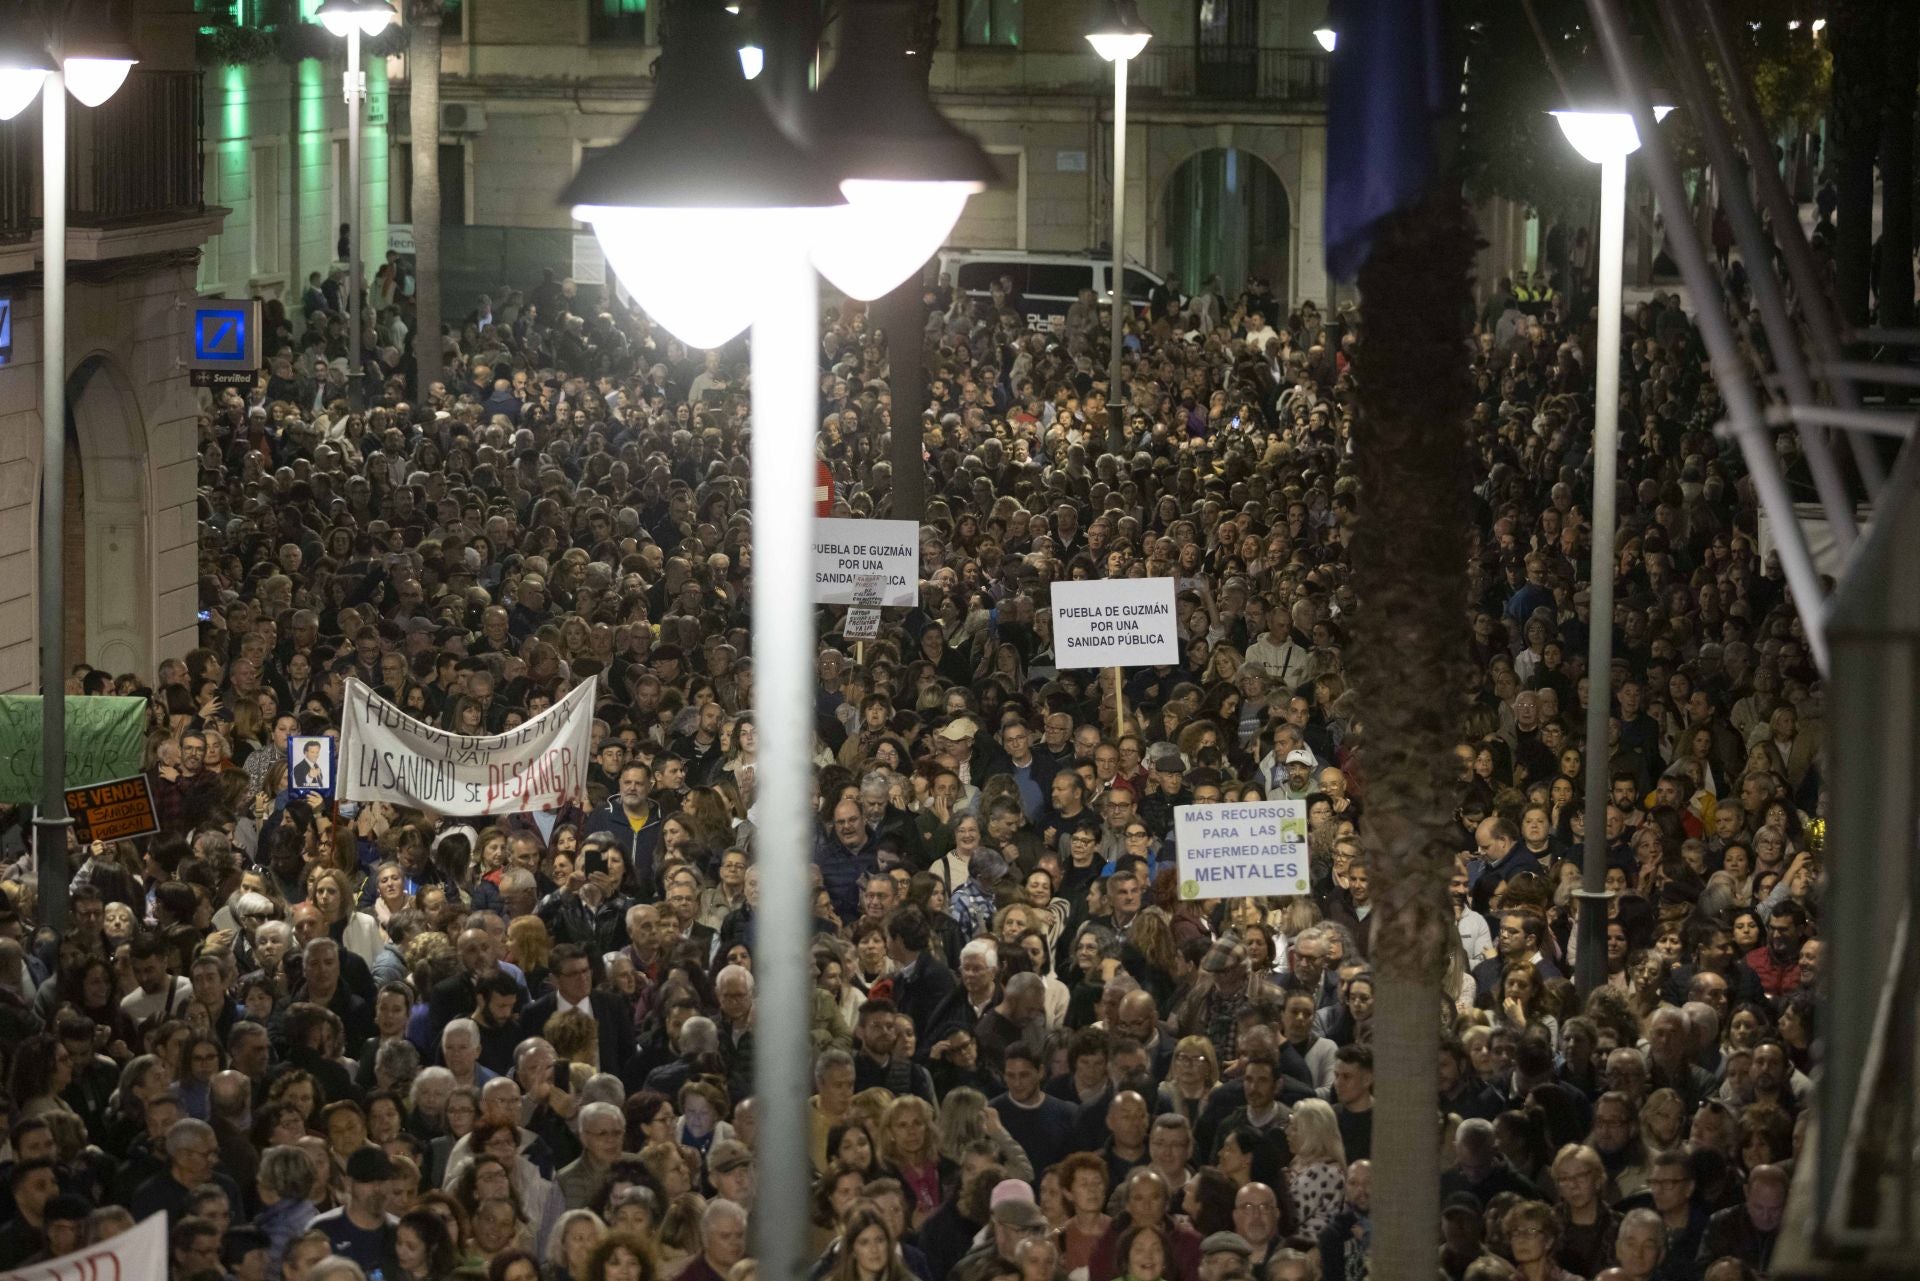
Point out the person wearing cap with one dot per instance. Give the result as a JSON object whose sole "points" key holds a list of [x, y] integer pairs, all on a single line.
{"points": [[361, 1229], [1012, 1219], [1298, 782], [1166, 787], [730, 1169], [1224, 1254]]}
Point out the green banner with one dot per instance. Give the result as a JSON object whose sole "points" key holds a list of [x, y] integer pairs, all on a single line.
{"points": [[106, 739]]}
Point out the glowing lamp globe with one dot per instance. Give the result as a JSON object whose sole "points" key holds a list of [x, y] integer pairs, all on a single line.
{"points": [[694, 204], [1119, 33], [886, 232], [23, 70], [1327, 37], [697, 271], [1600, 136], [369, 17], [94, 80], [905, 170]]}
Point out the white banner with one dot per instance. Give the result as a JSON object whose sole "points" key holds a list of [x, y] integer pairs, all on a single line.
{"points": [[1114, 622], [386, 755], [849, 554], [1235, 850], [131, 1256]]}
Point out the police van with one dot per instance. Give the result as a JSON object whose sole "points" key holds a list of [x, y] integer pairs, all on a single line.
{"points": [[1047, 283]]}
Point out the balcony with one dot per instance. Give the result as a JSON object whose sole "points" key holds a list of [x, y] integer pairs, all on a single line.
{"points": [[133, 160], [1187, 75], [1230, 72]]}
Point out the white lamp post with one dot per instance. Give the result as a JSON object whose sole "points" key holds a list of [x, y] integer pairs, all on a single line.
{"points": [[1607, 138], [92, 66], [352, 19], [1118, 36], [709, 215]]}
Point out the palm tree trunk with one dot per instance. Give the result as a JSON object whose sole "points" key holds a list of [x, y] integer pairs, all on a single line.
{"points": [[423, 69], [1410, 645], [1895, 287], [1857, 32]]}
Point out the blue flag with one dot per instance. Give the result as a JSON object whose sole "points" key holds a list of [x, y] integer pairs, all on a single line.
{"points": [[1392, 76]]}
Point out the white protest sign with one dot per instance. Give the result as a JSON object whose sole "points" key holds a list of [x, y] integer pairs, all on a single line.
{"points": [[863, 622], [1114, 622], [386, 755], [847, 553], [130, 1254], [1234, 850]]}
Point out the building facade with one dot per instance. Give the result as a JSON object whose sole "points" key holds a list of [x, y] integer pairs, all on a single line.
{"points": [[1226, 131], [138, 216]]}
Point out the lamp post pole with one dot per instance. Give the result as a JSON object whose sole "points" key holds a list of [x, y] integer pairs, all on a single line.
{"points": [[1592, 960], [355, 86], [1116, 409], [51, 821], [785, 338]]}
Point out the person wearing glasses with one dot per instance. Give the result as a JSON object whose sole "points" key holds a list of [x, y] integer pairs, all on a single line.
{"points": [[1533, 1231], [1588, 1224]]}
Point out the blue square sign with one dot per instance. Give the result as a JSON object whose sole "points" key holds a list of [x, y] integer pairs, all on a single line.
{"points": [[6, 331], [220, 333]]}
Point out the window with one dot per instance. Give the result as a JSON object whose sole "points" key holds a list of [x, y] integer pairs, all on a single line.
{"points": [[453, 184], [621, 20], [1139, 288], [979, 277], [990, 24], [1058, 279]]}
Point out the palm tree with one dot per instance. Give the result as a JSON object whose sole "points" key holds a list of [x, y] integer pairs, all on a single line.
{"points": [[1857, 35], [423, 69], [1410, 642]]}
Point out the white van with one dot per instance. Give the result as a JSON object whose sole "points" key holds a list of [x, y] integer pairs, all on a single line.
{"points": [[1048, 283]]}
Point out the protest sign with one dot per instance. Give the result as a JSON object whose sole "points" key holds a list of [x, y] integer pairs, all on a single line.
{"points": [[1236, 849], [863, 622], [386, 755], [310, 764], [1114, 622], [106, 739], [115, 811], [137, 1252], [845, 552]]}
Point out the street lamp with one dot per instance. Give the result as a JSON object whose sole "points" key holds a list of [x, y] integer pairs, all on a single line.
{"points": [[1327, 37], [705, 210], [1118, 36], [1606, 138], [709, 215], [905, 171], [351, 19], [91, 64]]}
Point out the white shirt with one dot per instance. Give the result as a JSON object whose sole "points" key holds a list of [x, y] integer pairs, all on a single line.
{"points": [[1475, 937]]}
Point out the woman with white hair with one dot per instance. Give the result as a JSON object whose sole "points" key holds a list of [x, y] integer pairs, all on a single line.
{"points": [[1317, 1176]]}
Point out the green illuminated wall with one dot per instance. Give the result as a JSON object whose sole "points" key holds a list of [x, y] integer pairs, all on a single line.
{"points": [[276, 156]]}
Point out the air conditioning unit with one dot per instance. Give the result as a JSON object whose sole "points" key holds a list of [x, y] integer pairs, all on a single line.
{"points": [[461, 117]]}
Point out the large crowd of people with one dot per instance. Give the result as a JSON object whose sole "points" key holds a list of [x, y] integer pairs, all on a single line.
{"points": [[328, 1040]]}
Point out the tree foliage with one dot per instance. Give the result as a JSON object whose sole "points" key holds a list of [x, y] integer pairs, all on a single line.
{"points": [[1514, 77]]}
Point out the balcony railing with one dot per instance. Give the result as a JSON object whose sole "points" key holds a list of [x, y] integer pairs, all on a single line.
{"points": [[135, 158], [1223, 72]]}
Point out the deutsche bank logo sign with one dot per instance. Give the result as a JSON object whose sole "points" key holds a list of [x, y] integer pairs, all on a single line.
{"points": [[220, 334], [226, 334], [6, 331]]}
